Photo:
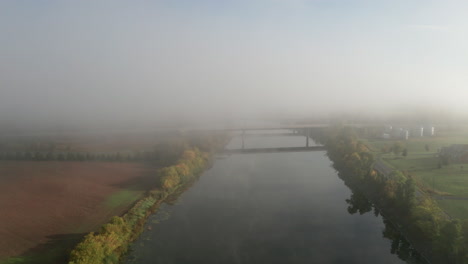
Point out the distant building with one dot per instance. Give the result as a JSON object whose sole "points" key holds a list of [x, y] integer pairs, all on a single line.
{"points": [[386, 136], [405, 132]]}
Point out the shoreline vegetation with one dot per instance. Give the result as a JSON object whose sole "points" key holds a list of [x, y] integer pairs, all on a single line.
{"points": [[111, 243], [437, 237], [179, 160]]}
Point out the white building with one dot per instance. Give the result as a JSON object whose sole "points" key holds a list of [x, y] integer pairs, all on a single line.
{"points": [[386, 136]]}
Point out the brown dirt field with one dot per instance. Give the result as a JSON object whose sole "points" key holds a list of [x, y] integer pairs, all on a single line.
{"points": [[45, 199]]}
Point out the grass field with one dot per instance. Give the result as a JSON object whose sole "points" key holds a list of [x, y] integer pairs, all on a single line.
{"points": [[416, 145], [47, 206], [451, 180], [455, 208], [116, 199], [413, 162]]}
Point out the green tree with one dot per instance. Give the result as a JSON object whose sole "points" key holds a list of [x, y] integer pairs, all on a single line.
{"points": [[61, 157], [425, 220], [449, 242], [444, 160], [405, 152], [426, 147], [397, 147]]}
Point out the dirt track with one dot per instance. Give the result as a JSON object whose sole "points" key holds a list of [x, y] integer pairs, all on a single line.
{"points": [[43, 199]]}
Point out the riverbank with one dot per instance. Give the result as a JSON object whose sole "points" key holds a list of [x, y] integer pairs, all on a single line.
{"points": [[112, 241], [62, 200], [440, 239], [445, 180]]}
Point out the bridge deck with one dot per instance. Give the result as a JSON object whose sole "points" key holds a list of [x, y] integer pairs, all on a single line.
{"points": [[271, 150]]}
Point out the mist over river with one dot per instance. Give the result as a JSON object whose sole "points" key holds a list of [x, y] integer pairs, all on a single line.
{"points": [[285, 207]]}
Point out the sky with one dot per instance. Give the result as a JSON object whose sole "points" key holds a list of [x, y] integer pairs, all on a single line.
{"points": [[153, 60]]}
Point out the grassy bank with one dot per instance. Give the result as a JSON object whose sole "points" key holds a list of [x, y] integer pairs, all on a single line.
{"points": [[438, 237], [112, 241], [422, 163]]}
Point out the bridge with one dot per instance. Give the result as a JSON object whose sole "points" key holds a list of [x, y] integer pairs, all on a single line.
{"points": [[295, 131], [275, 127], [272, 150], [280, 127]]}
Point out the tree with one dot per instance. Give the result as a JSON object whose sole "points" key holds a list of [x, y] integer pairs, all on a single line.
{"points": [[118, 157], [444, 160], [407, 194], [61, 157], [397, 147], [405, 152], [427, 220], [50, 156], [169, 178], [449, 241]]}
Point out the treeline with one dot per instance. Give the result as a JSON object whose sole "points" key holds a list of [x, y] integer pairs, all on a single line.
{"points": [[163, 153], [34, 144], [435, 234], [112, 241], [76, 156]]}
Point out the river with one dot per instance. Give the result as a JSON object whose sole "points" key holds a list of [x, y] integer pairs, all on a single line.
{"points": [[265, 208]]}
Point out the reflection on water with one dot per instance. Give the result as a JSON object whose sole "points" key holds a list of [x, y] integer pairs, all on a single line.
{"points": [[358, 203], [269, 208]]}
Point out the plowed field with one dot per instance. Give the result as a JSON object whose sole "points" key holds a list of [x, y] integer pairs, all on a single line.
{"points": [[40, 201]]}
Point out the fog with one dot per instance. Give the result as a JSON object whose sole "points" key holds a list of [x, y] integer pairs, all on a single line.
{"points": [[153, 61]]}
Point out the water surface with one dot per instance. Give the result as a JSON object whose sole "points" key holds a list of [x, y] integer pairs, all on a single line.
{"points": [[264, 208]]}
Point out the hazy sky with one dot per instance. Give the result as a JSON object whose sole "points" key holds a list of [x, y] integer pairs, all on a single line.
{"points": [[151, 59]]}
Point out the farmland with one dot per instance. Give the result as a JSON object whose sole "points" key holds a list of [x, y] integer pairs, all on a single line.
{"points": [[54, 189], [447, 184], [53, 202]]}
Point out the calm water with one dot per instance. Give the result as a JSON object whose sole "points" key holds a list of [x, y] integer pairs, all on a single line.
{"points": [[264, 208]]}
